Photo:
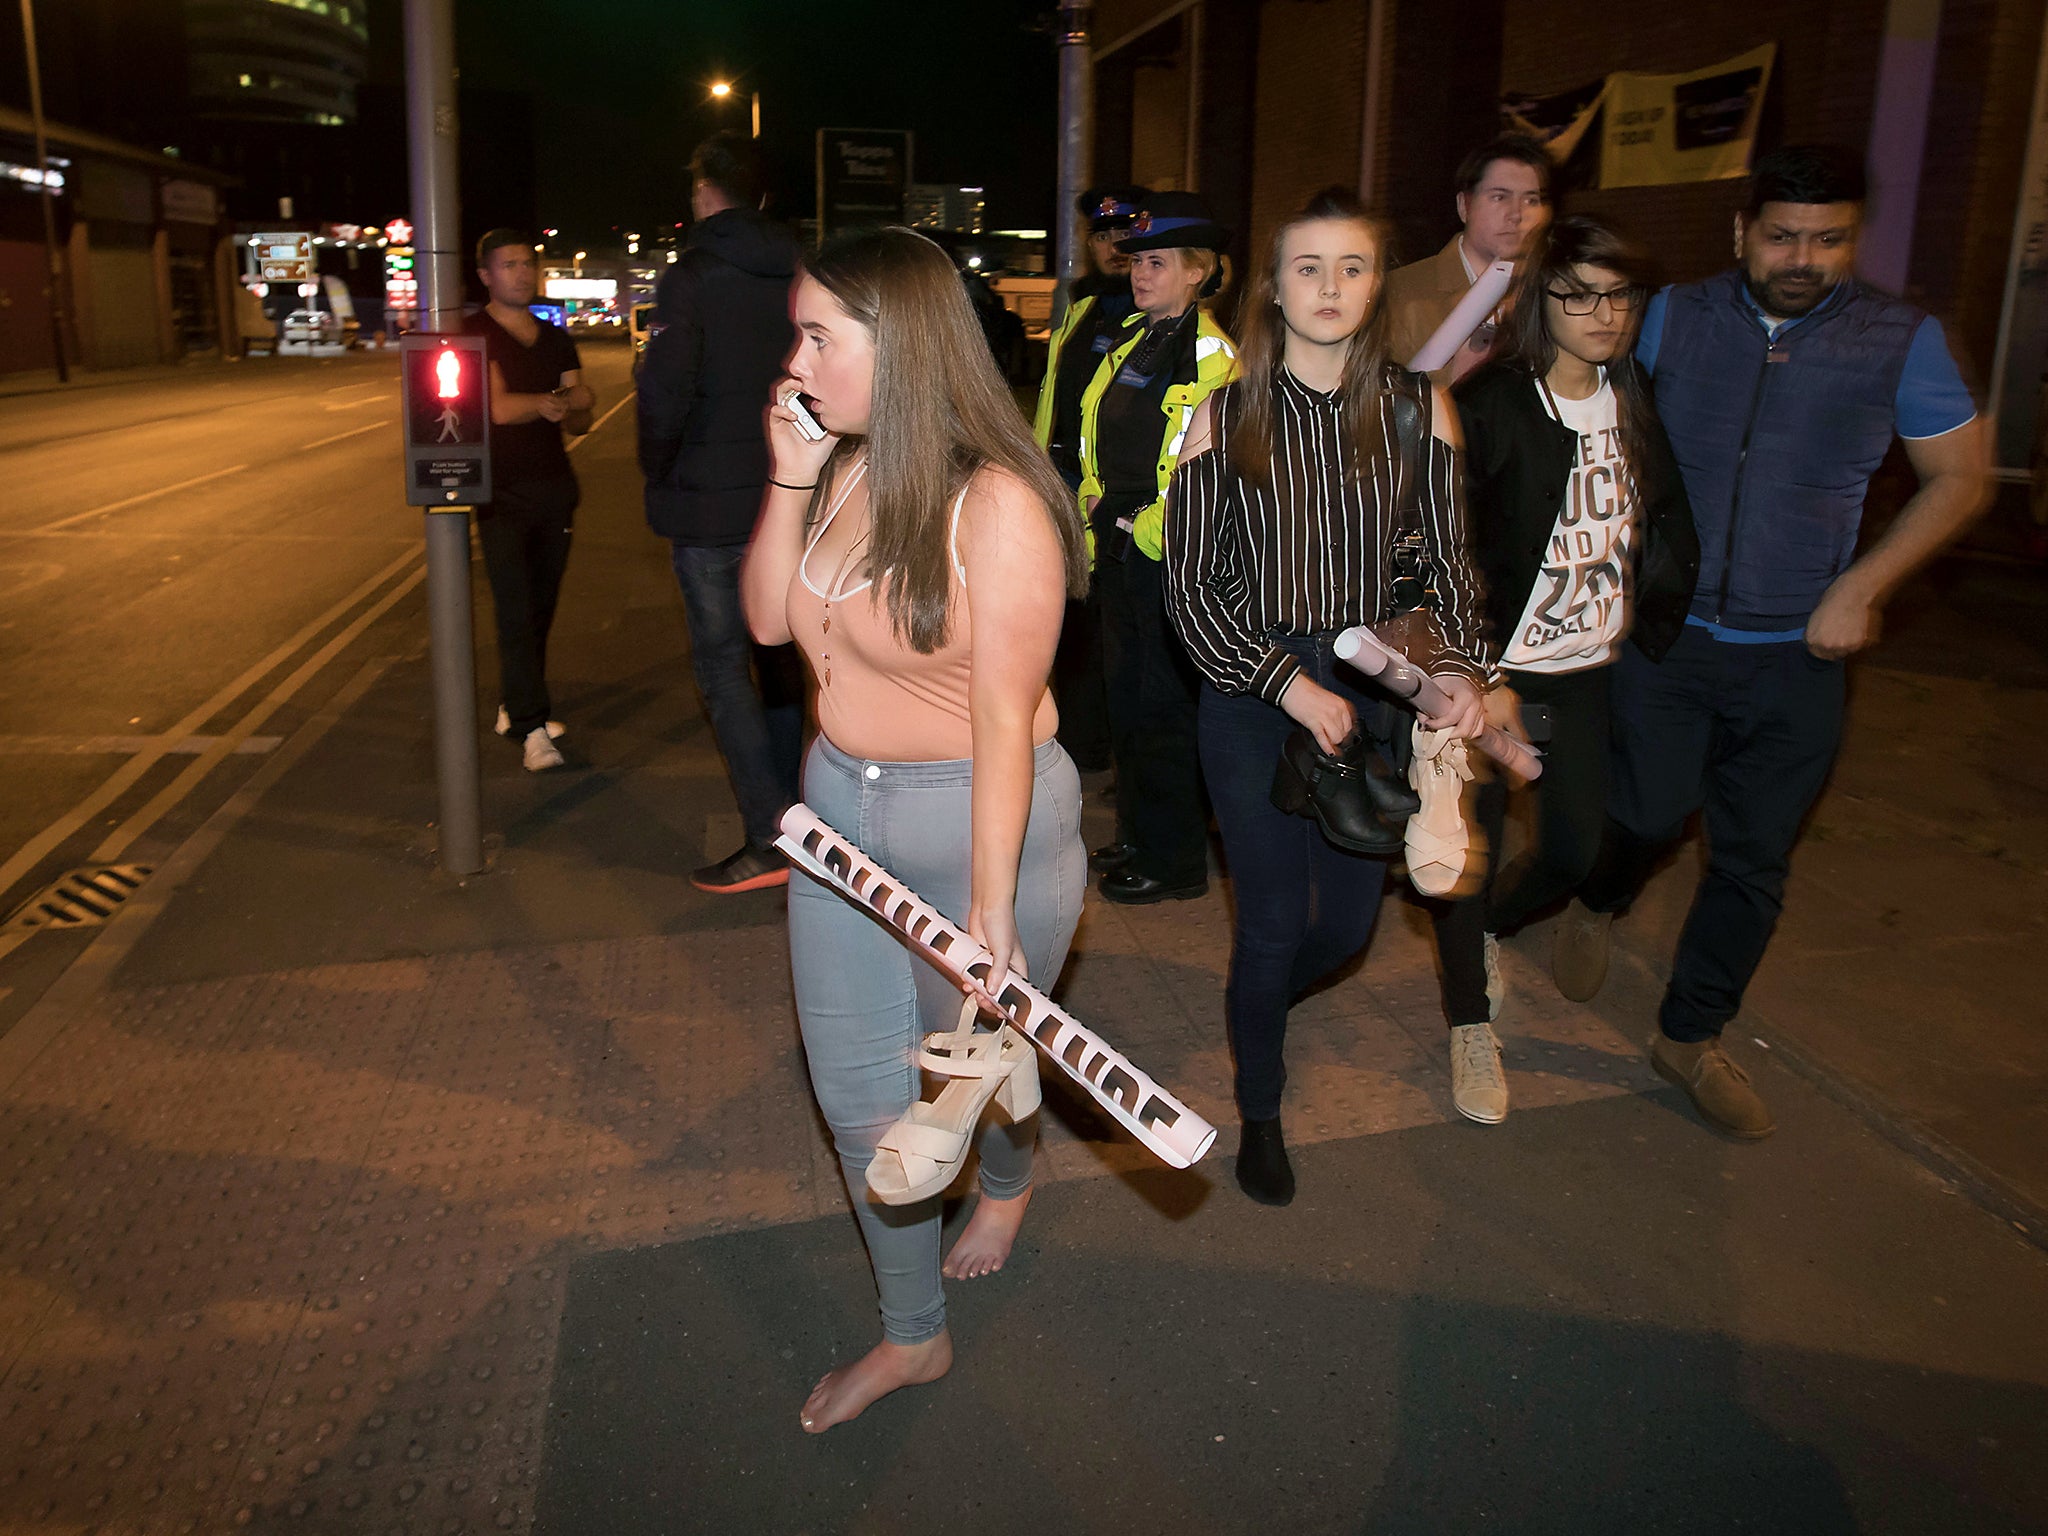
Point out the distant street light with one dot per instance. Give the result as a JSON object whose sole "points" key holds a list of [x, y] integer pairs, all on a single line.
{"points": [[722, 90]]}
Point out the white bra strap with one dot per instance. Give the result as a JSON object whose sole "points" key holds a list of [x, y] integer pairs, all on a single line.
{"points": [[953, 539]]}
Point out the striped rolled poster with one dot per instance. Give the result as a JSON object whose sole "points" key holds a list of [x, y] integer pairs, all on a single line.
{"points": [[1168, 1128]]}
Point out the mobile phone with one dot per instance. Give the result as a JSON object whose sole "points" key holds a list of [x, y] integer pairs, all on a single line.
{"points": [[806, 424]]}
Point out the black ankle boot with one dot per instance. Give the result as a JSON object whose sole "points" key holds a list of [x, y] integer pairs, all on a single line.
{"points": [[1263, 1171]]}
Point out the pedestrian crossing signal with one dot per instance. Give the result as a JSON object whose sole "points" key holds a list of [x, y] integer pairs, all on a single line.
{"points": [[447, 420]]}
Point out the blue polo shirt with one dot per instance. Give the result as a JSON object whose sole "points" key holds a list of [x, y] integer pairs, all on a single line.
{"points": [[1932, 401]]}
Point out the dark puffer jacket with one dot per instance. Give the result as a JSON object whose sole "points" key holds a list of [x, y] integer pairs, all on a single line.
{"points": [[722, 336]]}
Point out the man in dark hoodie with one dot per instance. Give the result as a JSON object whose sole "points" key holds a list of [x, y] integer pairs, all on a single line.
{"points": [[720, 338]]}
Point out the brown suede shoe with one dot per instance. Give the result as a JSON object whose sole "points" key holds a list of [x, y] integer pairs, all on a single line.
{"points": [[1718, 1088], [1578, 956]]}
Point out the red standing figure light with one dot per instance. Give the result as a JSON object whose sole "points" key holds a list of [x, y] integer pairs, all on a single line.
{"points": [[448, 386]]}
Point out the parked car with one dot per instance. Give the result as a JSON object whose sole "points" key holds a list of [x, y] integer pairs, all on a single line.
{"points": [[316, 326]]}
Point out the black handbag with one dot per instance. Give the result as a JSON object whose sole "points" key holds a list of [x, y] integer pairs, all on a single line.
{"points": [[1413, 630]]}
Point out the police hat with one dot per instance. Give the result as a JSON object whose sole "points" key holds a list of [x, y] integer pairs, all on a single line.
{"points": [[1168, 220], [1110, 207]]}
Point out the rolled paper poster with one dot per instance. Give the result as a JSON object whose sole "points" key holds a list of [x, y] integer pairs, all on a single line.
{"points": [[1168, 1128], [1402, 678], [1480, 300]]}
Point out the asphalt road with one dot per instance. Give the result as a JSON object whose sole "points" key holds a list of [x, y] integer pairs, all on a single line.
{"points": [[187, 565]]}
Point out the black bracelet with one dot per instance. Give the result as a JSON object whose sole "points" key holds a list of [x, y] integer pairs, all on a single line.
{"points": [[788, 487]]}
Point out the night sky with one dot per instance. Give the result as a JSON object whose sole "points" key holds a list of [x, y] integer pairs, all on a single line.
{"points": [[619, 89]]}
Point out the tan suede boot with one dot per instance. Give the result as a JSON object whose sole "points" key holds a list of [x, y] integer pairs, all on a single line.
{"points": [[1718, 1088], [1578, 956]]}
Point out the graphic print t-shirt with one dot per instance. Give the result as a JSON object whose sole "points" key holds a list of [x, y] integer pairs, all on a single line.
{"points": [[1578, 609]]}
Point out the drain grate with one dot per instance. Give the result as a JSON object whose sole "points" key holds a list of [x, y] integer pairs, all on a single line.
{"points": [[82, 899]]}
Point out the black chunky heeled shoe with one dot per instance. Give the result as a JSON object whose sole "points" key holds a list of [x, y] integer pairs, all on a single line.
{"points": [[1355, 796]]}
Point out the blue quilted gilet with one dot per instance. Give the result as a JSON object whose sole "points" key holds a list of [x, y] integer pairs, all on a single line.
{"points": [[1777, 440]]}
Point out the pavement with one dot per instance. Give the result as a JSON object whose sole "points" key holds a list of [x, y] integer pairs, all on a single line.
{"points": [[342, 1195]]}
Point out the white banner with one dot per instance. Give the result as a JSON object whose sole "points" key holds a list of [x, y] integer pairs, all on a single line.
{"points": [[1167, 1127]]}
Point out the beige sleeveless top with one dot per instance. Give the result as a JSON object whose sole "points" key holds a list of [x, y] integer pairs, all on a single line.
{"points": [[877, 698]]}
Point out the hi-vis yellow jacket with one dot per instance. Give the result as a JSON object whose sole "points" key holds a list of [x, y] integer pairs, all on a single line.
{"points": [[1215, 366], [1041, 425]]}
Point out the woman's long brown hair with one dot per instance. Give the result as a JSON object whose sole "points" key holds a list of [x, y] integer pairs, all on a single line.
{"points": [[1263, 343], [1526, 342], [940, 412]]}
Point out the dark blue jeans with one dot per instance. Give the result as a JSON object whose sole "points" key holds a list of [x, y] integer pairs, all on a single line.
{"points": [[759, 730], [1303, 908], [1747, 732]]}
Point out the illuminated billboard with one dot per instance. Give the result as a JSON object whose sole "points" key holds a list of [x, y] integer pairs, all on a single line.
{"points": [[604, 289]]}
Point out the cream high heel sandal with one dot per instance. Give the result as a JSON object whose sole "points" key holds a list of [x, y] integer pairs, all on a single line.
{"points": [[1445, 854], [920, 1154]]}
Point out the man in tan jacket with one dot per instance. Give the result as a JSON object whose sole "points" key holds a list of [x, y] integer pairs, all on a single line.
{"points": [[1503, 201]]}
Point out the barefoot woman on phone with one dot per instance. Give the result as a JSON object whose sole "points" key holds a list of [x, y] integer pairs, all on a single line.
{"points": [[921, 553]]}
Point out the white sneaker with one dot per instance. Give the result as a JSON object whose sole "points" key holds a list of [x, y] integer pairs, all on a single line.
{"points": [[1478, 1086], [541, 751], [503, 726], [1490, 951]]}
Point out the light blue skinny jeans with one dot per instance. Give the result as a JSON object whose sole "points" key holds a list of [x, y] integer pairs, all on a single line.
{"points": [[866, 1000]]}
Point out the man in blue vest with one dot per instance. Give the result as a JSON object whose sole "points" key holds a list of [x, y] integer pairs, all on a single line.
{"points": [[1782, 383]]}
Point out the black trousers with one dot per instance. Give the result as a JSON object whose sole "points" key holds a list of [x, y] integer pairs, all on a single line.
{"points": [[1571, 816], [1570, 796], [525, 537], [1747, 733], [1150, 684], [1077, 687]]}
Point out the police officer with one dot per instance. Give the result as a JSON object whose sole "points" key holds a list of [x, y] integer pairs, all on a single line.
{"points": [[1097, 308]]}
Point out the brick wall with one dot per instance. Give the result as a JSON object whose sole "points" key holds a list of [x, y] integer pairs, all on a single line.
{"points": [[1307, 107], [1822, 88]]}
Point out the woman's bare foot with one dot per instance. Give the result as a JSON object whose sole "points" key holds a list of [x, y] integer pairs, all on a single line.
{"points": [[985, 1245], [842, 1394]]}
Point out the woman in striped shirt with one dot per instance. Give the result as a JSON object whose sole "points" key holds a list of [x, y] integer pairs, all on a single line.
{"points": [[1280, 528]]}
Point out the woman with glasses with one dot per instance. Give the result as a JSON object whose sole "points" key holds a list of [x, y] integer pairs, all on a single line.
{"points": [[1581, 528]]}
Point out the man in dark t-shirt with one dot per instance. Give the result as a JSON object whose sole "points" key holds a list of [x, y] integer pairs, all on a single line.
{"points": [[536, 393]]}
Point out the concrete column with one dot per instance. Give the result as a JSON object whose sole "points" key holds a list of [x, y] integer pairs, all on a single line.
{"points": [[167, 348], [78, 274], [1898, 140]]}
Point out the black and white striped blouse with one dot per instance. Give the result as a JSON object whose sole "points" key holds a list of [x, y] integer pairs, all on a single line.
{"points": [[1310, 555]]}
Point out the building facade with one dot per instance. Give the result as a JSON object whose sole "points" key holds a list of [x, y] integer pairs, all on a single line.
{"points": [[1258, 103], [147, 264]]}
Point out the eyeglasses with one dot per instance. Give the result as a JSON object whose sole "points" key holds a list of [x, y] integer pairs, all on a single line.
{"points": [[1619, 300]]}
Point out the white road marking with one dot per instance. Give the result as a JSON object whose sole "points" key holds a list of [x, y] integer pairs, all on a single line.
{"points": [[132, 501], [32, 852], [349, 405], [118, 841], [122, 746], [322, 442], [607, 416]]}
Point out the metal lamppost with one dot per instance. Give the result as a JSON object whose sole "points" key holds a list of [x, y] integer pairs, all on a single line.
{"points": [[55, 266], [431, 126], [1076, 131]]}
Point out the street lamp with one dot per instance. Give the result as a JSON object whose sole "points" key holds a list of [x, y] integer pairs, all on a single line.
{"points": [[722, 90]]}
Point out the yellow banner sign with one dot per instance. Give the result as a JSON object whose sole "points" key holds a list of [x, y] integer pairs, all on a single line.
{"points": [[1697, 126]]}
